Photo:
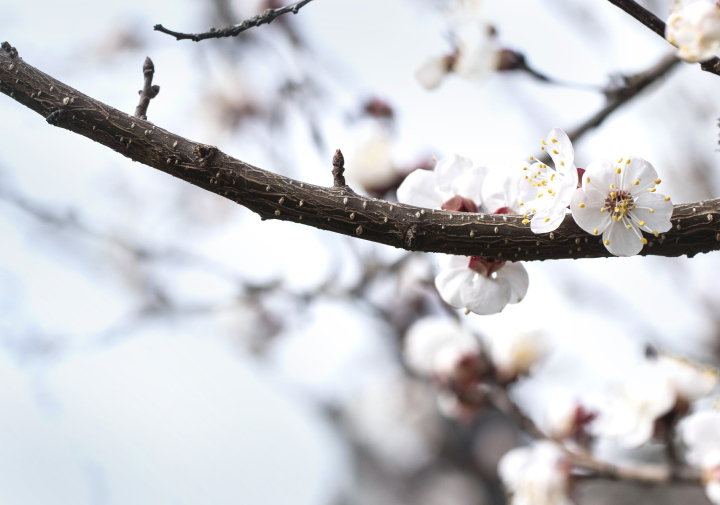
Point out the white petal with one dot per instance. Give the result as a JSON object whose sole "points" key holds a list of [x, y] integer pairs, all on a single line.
{"points": [[547, 220], [690, 380], [419, 189], [517, 277], [638, 170], [599, 176], [477, 52], [701, 434], [712, 490], [446, 261], [511, 465], [621, 241], [469, 184], [432, 72], [452, 285], [659, 219], [485, 295], [557, 140], [428, 336], [448, 169], [589, 217]]}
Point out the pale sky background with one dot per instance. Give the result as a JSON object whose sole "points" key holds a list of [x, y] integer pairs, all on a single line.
{"points": [[176, 411]]}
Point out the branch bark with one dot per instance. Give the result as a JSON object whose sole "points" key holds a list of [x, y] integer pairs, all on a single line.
{"points": [[233, 31], [658, 26], [696, 226]]}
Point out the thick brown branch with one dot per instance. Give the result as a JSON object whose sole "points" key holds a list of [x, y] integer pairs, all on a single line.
{"points": [[149, 91], [658, 26], [235, 30], [696, 227]]}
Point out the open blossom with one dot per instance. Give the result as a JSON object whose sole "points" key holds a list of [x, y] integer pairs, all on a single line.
{"points": [[479, 285], [655, 388], [536, 475], [620, 202], [701, 435], [568, 420], [475, 51], [546, 191], [694, 28], [515, 354], [438, 347]]}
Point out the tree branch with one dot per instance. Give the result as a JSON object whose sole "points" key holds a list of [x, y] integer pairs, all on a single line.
{"points": [[658, 26], [696, 226], [233, 31]]}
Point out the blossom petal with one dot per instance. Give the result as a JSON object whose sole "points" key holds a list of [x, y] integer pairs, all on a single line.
{"points": [[451, 283], [448, 169], [659, 219], [620, 240], [589, 217], [547, 220], [599, 176], [564, 193], [640, 171], [517, 277], [446, 261], [502, 189], [419, 189], [469, 184], [431, 72], [485, 295], [560, 149]]}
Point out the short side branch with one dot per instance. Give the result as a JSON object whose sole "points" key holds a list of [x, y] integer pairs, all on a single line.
{"points": [[233, 31], [695, 227], [149, 91]]}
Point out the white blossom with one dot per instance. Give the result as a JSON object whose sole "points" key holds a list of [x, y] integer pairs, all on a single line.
{"points": [[653, 389], [546, 191], [536, 475], [694, 28], [436, 346], [565, 419], [515, 354], [371, 165], [620, 201], [701, 434]]}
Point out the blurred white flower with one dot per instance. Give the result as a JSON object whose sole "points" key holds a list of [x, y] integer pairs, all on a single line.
{"points": [[454, 184], [475, 50], [515, 354], [371, 165], [439, 347], [546, 192], [619, 202], [655, 388], [701, 434], [694, 28], [536, 475], [567, 420]]}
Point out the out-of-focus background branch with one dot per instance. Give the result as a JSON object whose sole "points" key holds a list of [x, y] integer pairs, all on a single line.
{"points": [[159, 344]]}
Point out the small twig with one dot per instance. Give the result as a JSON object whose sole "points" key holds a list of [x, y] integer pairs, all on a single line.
{"points": [[513, 60], [634, 84], [149, 90], [232, 31], [338, 170], [658, 26]]}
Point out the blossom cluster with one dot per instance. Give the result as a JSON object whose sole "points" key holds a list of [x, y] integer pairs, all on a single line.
{"points": [[694, 28]]}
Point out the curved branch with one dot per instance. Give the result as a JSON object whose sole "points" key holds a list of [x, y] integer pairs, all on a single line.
{"points": [[696, 226], [658, 26], [233, 31]]}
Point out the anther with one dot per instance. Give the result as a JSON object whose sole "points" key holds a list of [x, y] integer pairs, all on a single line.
{"points": [[595, 231], [643, 240], [607, 242], [657, 181], [651, 190], [618, 170], [582, 205]]}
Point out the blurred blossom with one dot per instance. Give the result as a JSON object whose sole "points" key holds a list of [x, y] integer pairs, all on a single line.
{"points": [[396, 419], [536, 475], [450, 487], [441, 348], [516, 353], [545, 191], [568, 420], [371, 165], [654, 389], [701, 434], [475, 52], [621, 201], [694, 28]]}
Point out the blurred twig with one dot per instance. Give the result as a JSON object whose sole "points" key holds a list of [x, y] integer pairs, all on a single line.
{"points": [[149, 91]]}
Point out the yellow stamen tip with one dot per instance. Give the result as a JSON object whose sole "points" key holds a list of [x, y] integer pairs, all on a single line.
{"points": [[667, 198], [628, 161], [657, 181], [547, 219], [652, 211], [595, 231], [643, 240], [636, 182], [555, 151], [629, 227], [607, 242], [642, 223], [587, 179], [655, 233], [620, 160], [582, 205], [651, 190], [618, 171], [525, 221]]}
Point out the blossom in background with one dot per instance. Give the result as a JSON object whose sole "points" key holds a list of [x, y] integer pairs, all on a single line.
{"points": [[479, 285], [515, 354], [536, 475], [568, 420], [546, 192], [371, 165], [694, 28], [620, 201], [475, 51], [701, 434], [654, 389], [440, 348]]}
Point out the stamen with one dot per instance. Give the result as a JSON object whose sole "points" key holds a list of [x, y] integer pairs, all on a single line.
{"points": [[628, 161], [587, 179], [607, 242], [651, 211], [525, 221], [555, 151], [543, 142], [562, 163], [582, 205], [643, 240], [602, 209], [618, 170], [547, 219], [657, 181], [532, 158], [628, 226], [667, 198], [641, 223], [595, 231], [656, 233], [620, 161], [613, 195], [637, 181], [651, 190], [554, 141]]}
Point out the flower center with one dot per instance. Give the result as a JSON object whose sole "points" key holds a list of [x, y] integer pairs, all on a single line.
{"points": [[620, 203], [460, 204], [485, 267]]}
